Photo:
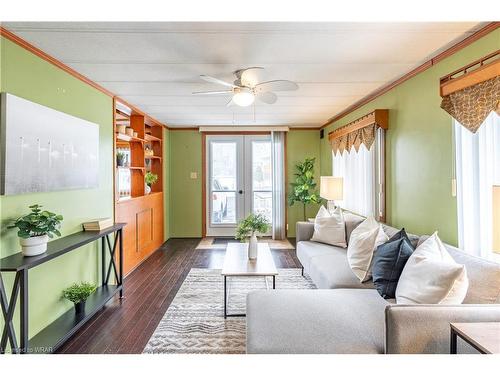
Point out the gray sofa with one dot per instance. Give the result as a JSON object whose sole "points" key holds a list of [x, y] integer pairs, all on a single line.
{"points": [[346, 316]]}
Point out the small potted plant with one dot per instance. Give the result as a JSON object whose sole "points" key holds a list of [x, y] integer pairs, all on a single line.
{"points": [[150, 179], [120, 159], [35, 229], [248, 228], [78, 294]]}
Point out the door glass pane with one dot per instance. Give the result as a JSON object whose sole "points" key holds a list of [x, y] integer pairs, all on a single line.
{"points": [[263, 203], [223, 166], [223, 207], [261, 166]]}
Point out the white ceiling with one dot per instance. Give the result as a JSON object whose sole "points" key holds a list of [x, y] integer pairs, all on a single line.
{"points": [[156, 66]]}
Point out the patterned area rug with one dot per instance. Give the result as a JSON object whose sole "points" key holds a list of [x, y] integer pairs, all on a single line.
{"points": [[194, 322], [208, 243]]}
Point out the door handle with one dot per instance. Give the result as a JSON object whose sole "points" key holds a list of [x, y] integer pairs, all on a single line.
{"points": [[240, 191]]}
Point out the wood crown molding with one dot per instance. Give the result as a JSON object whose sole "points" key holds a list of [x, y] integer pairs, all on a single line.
{"points": [[378, 116], [492, 26], [481, 70], [45, 56]]}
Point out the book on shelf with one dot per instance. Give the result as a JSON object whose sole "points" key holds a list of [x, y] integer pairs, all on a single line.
{"points": [[98, 224]]}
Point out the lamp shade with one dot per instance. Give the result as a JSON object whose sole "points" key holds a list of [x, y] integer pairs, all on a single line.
{"points": [[331, 188]]}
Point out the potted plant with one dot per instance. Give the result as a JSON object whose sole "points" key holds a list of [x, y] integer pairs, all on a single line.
{"points": [[248, 228], [150, 179], [120, 159], [303, 189], [78, 294], [35, 229]]}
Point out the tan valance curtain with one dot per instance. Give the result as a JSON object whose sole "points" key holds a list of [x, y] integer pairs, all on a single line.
{"points": [[364, 136], [472, 105], [358, 132], [471, 97]]}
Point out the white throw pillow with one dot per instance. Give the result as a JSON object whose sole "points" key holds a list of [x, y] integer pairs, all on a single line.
{"points": [[364, 240], [329, 228], [431, 276]]}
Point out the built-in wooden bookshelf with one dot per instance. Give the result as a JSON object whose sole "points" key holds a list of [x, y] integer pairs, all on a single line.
{"points": [[142, 212]]}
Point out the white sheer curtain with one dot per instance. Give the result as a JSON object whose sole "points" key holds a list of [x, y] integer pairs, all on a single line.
{"points": [[360, 179], [278, 162], [478, 170]]}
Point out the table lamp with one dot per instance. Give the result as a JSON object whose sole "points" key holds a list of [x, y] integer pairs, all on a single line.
{"points": [[331, 189]]}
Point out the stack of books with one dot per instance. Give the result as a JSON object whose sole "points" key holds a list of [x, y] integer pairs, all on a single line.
{"points": [[98, 224]]}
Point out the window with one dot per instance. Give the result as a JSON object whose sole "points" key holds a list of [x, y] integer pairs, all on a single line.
{"points": [[363, 174], [477, 159]]}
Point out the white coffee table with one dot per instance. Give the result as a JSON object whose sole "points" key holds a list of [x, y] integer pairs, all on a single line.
{"points": [[236, 263]]}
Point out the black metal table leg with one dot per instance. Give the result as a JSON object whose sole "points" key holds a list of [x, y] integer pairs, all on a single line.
{"points": [[225, 297], [453, 341], [274, 282], [24, 308], [103, 261], [120, 282], [8, 308]]}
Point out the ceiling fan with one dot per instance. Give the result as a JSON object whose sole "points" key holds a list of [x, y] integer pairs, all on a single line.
{"points": [[248, 86]]}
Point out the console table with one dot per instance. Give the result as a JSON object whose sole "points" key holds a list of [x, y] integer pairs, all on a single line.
{"points": [[55, 334]]}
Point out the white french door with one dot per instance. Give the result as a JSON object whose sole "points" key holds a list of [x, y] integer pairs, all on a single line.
{"points": [[239, 180]]}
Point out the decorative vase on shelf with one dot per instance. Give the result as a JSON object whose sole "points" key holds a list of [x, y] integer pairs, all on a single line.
{"points": [[252, 247]]}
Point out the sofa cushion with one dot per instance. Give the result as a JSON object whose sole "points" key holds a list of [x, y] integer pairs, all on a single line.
{"points": [[391, 232], [328, 266], [329, 227], [351, 222], [432, 276], [388, 263], [315, 321], [363, 242], [484, 277]]}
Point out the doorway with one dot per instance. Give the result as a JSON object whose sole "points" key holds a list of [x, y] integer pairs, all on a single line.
{"points": [[239, 180]]}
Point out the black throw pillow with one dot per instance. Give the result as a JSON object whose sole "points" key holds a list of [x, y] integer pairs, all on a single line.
{"points": [[388, 263]]}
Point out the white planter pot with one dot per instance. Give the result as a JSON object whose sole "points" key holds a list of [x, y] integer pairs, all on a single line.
{"points": [[34, 245], [148, 189], [252, 247]]}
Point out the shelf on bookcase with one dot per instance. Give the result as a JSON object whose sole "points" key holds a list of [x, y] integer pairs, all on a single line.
{"points": [[151, 138], [128, 138]]}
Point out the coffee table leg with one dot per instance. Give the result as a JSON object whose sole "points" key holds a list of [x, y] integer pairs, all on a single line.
{"points": [[453, 342], [225, 297], [274, 282]]}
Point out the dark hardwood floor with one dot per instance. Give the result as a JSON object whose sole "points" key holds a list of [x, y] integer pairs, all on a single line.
{"points": [[125, 326]]}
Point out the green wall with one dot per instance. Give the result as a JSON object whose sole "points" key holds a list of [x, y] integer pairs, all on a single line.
{"points": [[185, 198], [301, 144], [166, 184], [25, 75], [419, 147], [185, 213]]}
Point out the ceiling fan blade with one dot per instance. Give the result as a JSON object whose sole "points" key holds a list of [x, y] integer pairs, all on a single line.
{"points": [[278, 85], [267, 97], [216, 80], [249, 77], [225, 92]]}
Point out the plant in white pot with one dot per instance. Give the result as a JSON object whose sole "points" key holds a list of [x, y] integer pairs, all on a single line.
{"points": [[150, 179], [35, 229], [248, 228]]}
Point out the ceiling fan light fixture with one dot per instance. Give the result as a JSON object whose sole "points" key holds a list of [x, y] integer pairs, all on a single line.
{"points": [[244, 98]]}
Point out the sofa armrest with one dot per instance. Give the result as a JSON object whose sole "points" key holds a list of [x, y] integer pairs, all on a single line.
{"points": [[304, 231], [426, 328]]}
